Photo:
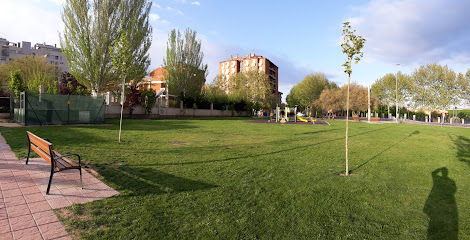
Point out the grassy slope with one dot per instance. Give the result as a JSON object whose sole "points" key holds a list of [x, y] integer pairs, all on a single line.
{"points": [[242, 180]]}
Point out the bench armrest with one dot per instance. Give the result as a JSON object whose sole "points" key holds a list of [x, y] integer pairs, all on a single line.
{"points": [[70, 154]]}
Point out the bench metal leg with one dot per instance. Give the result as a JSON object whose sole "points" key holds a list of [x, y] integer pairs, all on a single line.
{"points": [[50, 181], [81, 184], [27, 159]]}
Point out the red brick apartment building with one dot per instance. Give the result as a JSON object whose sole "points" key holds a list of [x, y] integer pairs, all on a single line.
{"points": [[250, 62]]}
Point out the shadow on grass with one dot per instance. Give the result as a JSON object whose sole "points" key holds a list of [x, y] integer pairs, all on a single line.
{"points": [[317, 132], [441, 207], [262, 154], [463, 148], [386, 149], [138, 181]]}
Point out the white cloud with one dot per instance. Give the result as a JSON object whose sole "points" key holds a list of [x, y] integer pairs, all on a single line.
{"points": [[154, 16], [179, 12], [58, 2], [31, 24], [156, 5], [414, 31], [196, 3]]}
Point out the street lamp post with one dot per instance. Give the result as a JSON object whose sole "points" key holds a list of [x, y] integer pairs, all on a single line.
{"points": [[396, 95]]}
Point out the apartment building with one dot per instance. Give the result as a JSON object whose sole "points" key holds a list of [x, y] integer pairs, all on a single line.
{"points": [[250, 62], [12, 50]]}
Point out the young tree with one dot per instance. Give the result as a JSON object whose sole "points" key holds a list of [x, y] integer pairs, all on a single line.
{"points": [[16, 84], [92, 26], [148, 98], [186, 72], [352, 48], [133, 99], [127, 62]]}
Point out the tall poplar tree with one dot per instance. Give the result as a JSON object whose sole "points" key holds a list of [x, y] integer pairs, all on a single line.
{"points": [[183, 62], [352, 46], [91, 27]]}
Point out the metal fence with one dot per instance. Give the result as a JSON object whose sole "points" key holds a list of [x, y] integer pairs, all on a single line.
{"points": [[54, 109]]}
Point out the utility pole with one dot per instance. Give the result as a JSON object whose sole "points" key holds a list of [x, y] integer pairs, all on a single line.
{"points": [[396, 95], [368, 96]]}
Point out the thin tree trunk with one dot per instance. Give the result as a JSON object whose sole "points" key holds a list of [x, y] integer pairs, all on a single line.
{"points": [[347, 127], [122, 108]]}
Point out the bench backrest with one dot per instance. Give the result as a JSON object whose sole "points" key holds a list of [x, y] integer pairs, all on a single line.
{"points": [[42, 147]]}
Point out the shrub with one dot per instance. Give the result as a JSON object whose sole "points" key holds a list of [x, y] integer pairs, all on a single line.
{"points": [[148, 99], [420, 114], [16, 84]]}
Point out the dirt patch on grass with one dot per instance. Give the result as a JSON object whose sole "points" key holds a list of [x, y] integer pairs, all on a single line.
{"points": [[76, 222], [179, 143]]}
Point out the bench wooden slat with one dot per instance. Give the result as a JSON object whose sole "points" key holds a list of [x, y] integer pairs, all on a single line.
{"points": [[41, 153], [65, 163], [41, 143]]}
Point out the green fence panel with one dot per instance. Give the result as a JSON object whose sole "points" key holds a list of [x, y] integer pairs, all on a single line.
{"points": [[52, 109]]}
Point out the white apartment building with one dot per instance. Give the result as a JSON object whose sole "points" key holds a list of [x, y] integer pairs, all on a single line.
{"points": [[12, 50]]}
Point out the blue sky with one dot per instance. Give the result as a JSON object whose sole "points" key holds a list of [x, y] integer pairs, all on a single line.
{"points": [[300, 37]]}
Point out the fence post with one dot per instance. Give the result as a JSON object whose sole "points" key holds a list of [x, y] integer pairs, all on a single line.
{"points": [[212, 109]]}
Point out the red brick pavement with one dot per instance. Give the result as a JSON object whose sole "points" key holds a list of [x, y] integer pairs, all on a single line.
{"points": [[26, 210]]}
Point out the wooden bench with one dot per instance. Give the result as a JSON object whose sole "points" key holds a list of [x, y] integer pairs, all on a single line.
{"points": [[58, 162], [355, 118], [374, 118]]}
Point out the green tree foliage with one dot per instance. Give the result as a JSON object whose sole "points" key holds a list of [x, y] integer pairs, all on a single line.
{"points": [[305, 93], [35, 71], [352, 47], [91, 27], [253, 87], [464, 82], [127, 62], [148, 99], [16, 83], [183, 61], [384, 89], [435, 87]]}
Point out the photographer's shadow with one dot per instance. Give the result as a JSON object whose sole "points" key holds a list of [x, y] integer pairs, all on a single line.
{"points": [[441, 207]]}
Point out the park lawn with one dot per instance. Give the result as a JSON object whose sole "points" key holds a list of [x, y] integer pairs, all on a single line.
{"points": [[240, 180]]}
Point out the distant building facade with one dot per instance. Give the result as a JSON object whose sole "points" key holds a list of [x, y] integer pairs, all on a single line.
{"points": [[250, 62], [155, 81], [12, 50]]}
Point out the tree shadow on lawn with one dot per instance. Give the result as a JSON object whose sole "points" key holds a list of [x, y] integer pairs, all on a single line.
{"points": [[441, 207], [462, 144], [263, 154], [151, 125], [139, 181], [386, 149]]}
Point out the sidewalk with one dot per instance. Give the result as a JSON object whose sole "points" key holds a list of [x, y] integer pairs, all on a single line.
{"points": [[26, 210]]}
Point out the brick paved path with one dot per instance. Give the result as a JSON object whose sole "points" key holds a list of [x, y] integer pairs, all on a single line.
{"points": [[26, 210]]}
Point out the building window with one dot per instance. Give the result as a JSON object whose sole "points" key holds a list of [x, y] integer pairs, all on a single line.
{"points": [[57, 58]]}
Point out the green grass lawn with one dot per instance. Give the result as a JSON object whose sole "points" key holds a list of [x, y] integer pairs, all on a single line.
{"points": [[239, 180]]}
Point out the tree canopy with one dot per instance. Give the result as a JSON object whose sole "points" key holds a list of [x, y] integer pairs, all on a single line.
{"points": [[306, 92], [35, 71], [184, 64], [91, 27]]}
